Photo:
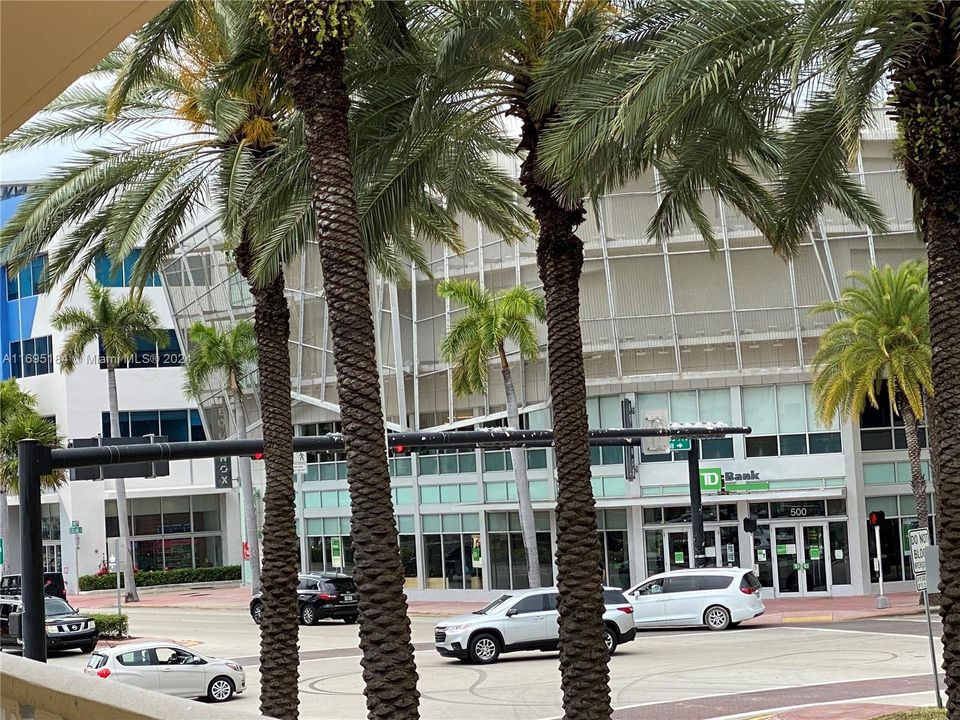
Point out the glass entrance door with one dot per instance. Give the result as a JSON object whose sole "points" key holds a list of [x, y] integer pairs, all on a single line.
{"points": [[800, 568], [678, 549]]}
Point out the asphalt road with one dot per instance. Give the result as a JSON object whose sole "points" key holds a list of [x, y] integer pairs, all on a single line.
{"points": [[677, 674]]}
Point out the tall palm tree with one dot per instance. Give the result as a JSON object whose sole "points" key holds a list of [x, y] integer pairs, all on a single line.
{"points": [[19, 420], [490, 321], [819, 70], [117, 325], [205, 65], [883, 335], [309, 40], [228, 355]]}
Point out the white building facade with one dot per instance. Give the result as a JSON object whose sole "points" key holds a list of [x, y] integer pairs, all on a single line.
{"points": [[177, 521], [683, 333]]}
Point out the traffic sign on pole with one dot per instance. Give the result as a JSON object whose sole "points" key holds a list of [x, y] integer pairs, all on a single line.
{"points": [[680, 444], [336, 558], [299, 463]]}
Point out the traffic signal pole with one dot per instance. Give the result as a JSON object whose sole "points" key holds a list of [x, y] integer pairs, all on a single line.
{"points": [[696, 504], [33, 461], [882, 600]]}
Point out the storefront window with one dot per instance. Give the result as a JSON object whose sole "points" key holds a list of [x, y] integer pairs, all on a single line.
{"points": [[900, 512], [50, 521], [163, 535], [784, 422], [450, 553], [654, 544], [839, 554], [615, 550], [508, 561]]}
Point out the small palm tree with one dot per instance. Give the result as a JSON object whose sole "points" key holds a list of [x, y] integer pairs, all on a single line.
{"points": [[228, 354], [883, 334], [117, 324], [490, 321], [20, 420]]}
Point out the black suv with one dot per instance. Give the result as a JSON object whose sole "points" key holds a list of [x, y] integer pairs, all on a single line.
{"points": [[53, 585], [321, 595], [66, 628]]}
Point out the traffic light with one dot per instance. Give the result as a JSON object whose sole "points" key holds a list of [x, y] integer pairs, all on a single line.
{"points": [[257, 456], [750, 524], [877, 517]]}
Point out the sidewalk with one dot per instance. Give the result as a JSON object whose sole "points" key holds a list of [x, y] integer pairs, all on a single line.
{"points": [[844, 711], [814, 610]]}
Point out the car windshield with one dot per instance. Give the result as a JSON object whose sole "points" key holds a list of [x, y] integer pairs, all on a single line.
{"points": [[344, 585], [55, 606], [494, 605]]}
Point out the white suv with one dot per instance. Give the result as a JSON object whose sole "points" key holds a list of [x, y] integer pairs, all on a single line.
{"points": [[719, 598], [525, 621]]}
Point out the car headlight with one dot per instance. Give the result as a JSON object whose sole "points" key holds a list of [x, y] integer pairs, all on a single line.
{"points": [[234, 666]]}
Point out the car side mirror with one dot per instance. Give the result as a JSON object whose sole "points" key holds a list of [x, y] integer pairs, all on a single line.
{"points": [[512, 611]]}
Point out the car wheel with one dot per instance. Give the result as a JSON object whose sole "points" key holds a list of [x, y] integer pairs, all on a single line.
{"points": [[220, 689], [484, 649], [350, 620], [610, 639], [309, 615], [257, 613], [89, 647], [717, 618]]}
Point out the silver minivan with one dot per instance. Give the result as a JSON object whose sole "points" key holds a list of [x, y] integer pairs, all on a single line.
{"points": [[525, 621], [718, 598]]}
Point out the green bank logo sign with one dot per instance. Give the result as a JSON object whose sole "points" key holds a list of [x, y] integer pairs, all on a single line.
{"points": [[715, 480]]}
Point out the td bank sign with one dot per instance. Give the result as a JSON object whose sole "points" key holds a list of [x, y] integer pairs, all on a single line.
{"points": [[715, 480]]}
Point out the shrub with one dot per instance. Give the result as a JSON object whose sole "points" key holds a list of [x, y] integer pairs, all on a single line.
{"points": [[146, 578], [110, 625]]}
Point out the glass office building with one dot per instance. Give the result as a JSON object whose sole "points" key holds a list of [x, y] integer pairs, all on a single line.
{"points": [[686, 334]]}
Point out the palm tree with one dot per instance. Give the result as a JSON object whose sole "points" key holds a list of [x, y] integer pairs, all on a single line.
{"points": [[310, 43], [117, 325], [19, 420], [819, 70], [883, 335], [204, 65], [490, 321], [227, 355]]}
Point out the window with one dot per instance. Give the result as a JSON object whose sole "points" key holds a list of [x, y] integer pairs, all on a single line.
{"points": [[506, 557], [714, 582], [609, 486], [461, 493], [27, 282], [177, 425], [453, 551], [170, 532], [110, 275], [892, 473], [604, 412], [135, 658], [901, 518], [681, 583], [784, 422], [506, 491], [882, 429], [147, 354], [688, 406], [614, 548], [448, 462], [31, 357], [324, 428], [528, 605]]}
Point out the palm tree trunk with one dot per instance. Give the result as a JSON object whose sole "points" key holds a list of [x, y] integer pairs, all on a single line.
{"points": [[918, 483], [124, 562], [389, 670], [926, 103], [279, 630], [528, 528], [583, 656], [246, 494]]}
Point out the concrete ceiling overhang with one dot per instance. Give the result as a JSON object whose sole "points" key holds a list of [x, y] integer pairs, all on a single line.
{"points": [[47, 44]]}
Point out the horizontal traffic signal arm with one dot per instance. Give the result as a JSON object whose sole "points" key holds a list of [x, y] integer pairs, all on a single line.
{"points": [[492, 438]]}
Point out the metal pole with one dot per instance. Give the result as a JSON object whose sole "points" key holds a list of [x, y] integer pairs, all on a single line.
{"points": [[933, 654], [696, 503], [882, 601], [30, 459], [116, 569], [301, 530]]}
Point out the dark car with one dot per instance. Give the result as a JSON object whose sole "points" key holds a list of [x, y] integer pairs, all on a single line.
{"points": [[53, 585], [321, 595], [66, 628]]}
